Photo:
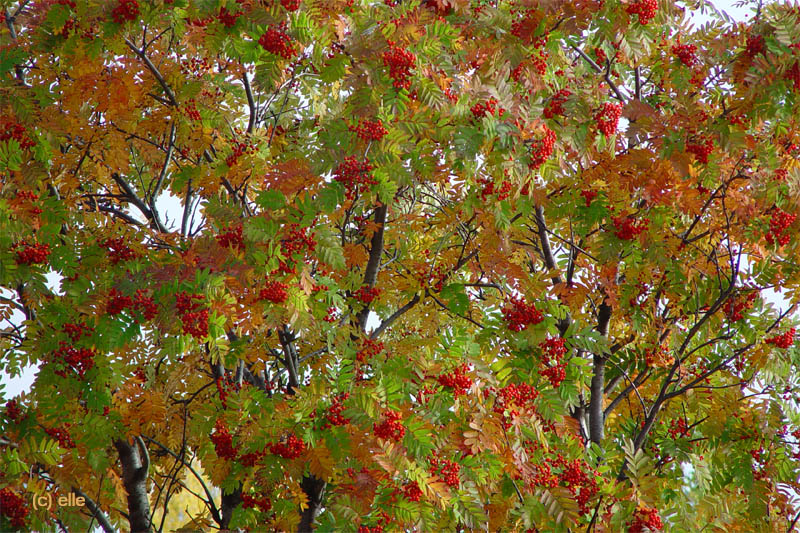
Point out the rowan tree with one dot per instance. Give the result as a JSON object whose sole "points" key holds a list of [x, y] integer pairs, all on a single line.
{"points": [[399, 266]]}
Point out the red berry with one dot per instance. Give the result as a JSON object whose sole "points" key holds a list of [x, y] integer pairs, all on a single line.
{"points": [[390, 428], [685, 53], [456, 380], [645, 519], [588, 195], [355, 176], [13, 506], [607, 118], [278, 42], [520, 315], [369, 130], [627, 227], [646, 9], [400, 62], [290, 448], [126, 10], [778, 224], [701, 149], [31, 254], [118, 250], [785, 340], [366, 294], [290, 5], [555, 106], [223, 441], [542, 149]]}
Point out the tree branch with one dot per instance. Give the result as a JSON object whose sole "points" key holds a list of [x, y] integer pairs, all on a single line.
{"points": [[97, 513], [374, 261]]}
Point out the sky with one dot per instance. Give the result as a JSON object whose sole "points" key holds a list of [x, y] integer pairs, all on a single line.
{"points": [[12, 386]]}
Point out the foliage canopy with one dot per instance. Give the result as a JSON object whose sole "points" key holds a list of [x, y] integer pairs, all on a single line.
{"points": [[441, 266]]}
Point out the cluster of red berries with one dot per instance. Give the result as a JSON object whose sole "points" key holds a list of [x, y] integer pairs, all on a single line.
{"points": [[734, 306], [652, 356], [223, 441], [646, 9], [223, 392], [13, 412], [31, 254], [13, 507], [366, 294], [117, 250], [250, 502], [576, 475], [520, 315], [81, 360], [446, 469], [28, 197], [194, 318], [793, 74], [274, 292], [226, 18], [373, 529], [542, 149], [678, 428], [330, 316], [580, 480], [77, 330], [781, 174], [231, 237], [196, 66], [355, 176], [390, 428], [607, 118], [276, 41], [117, 303], [334, 414], [125, 11], [511, 398], [785, 340], [701, 149], [456, 380], [251, 459], [626, 227], [555, 107], [755, 45], [412, 492], [489, 107], [240, 148], [369, 130], [588, 195], [552, 366], [297, 240], [645, 519], [778, 224], [290, 448], [290, 5], [600, 54], [488, 189], [435, 278], [686, 53], [10, 129], [190, 109], [369, 349], [400, 62], [62, 436]]}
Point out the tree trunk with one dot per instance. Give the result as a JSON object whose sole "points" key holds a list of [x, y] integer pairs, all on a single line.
{"points": [[135, 463], [314, 489]]}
